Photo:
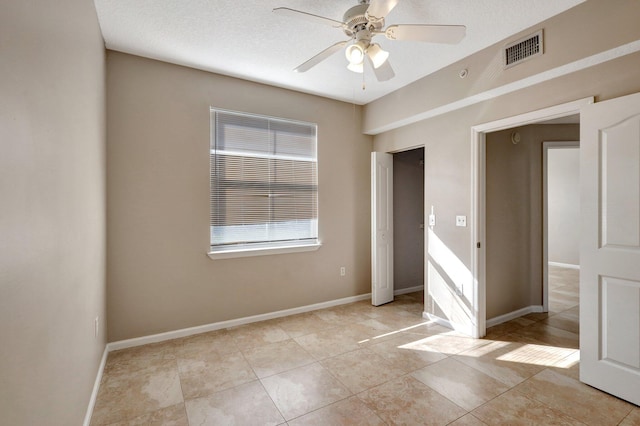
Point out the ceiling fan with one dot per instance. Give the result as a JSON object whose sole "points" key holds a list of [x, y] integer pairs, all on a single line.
{"points": [[363, 22]]}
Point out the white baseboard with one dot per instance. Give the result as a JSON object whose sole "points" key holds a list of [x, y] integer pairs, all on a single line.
{"points": [[515, 314], [564, 265], [96, 387], [161, 337], [467, 329], [408, 290], [440, 321]]}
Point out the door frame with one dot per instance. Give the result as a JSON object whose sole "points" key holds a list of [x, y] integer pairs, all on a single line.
{"points": [[478, 193], [546, 146]]}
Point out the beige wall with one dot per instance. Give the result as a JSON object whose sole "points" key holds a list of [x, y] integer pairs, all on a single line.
{"points": [[408, 215], [584, 30], [514, 215], [52, 210], [159, 276]]}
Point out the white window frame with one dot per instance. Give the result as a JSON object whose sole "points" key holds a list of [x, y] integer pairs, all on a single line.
{"points": [[257, 248]]}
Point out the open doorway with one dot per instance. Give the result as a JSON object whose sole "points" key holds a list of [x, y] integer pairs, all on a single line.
{"points": [[516, 268], [561, 212], [397, 217], [408, 221], [479, 136]]}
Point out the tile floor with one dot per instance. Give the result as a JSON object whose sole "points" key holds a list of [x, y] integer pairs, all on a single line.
{"points": [[361, 365]]}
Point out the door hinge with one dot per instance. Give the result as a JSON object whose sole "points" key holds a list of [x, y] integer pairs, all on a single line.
{"points": [[478, 245]]}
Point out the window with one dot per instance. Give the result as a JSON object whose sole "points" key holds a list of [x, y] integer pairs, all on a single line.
{"points": [[264, 185]]}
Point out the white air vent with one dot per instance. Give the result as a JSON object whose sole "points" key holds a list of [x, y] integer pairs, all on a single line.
{"points": [[523, 49]]}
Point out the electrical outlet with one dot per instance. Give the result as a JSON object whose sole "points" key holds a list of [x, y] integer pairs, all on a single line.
{"points": [[96, 327], [343, 271], [461, 221]]}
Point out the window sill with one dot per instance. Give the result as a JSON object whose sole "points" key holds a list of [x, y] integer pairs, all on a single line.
{"points": [[247, 252]]}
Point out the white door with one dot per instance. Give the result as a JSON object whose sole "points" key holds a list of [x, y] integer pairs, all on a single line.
{"points": [[610, 247], [381, 228]]}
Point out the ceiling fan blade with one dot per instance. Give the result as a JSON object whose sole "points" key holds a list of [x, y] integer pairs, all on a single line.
{"points": [[320, 57], [378, 9], [285, 11], [450, 34], [384, 72]]}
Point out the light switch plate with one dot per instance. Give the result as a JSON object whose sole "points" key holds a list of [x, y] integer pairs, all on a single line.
{"points": [[461, 221], [432, 220]]}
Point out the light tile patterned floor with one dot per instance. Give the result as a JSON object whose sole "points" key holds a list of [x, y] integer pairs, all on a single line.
{"points": [[361, 365]]}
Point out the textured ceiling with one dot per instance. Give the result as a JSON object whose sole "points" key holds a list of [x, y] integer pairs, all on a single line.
{"points": [[244, 39]]}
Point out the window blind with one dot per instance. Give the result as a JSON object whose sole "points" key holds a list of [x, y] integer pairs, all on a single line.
{"points": [[264, 189]]}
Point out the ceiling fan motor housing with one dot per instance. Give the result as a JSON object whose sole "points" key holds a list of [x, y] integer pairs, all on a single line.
{"points": [[356, 21]]}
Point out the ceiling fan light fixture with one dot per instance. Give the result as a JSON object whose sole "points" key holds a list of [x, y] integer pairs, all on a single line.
{"points": [[355, 53], [377, 55]]}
